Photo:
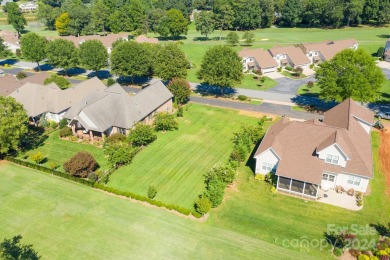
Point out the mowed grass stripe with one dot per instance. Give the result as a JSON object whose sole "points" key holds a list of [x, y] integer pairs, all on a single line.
{"points": [[176, 161], [51, 212]]}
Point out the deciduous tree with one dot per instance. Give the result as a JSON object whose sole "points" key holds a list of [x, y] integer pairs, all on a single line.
{"points": [[350, 74], [13, 249], [15, 17], [48, 15], [232, 38], [291, 13], [204, 22], [100, 14], [176, 22], [224, 17], [221, 67], [93, 55], [33, 47], [180, 89], [13, 124], [62, 23], [62, 53], [61, 82], [170, 62], [249, 38]]}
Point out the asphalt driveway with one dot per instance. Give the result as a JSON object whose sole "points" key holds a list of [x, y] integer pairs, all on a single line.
{"points": [[289, 86]]}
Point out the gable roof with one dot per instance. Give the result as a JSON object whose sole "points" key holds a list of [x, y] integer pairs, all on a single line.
{"points": [[101, 110], [297, 143], [10, 83], [295, 54], [329, 49], [262, 57], [107, 40], [38, 99], [143, 38]]}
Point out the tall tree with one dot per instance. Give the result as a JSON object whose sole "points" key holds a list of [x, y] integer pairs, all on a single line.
{"points": [[154, 17], [63, 54], [204, 23], [180, 89], [170, 62], [383, 15], [13, 124], [93, 55], [131, 59], [100, 14], [33, 47], [176, 22], [350, 74], [267, 12], [15, 17], [79, 18], [224, 17], [353, 10], [48, 15], [291, 13], [249, 38], [370, 10], [221, 67], [333, 13], [232, 38], [13, 249], [247, 14], [313, 13], [61, 24]]}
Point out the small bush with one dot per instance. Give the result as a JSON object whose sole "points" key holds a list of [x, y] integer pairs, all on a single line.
{"points": [[110, 82], [18, 52], [289, 68], [142, 135], [38, 158], [81, 164], [337, 251], [73, 138], [179, 112], [53, 124], [63, 123], [115, 138], [260, 177], [202, 205], [351, 192], [21, 75], [152, 192], [279, 69], [92, 177], [242, 97], [310, 84], [53, 165], [363, 257], [61, 82], [165, 122], [354, 252], [65, 132], [359, 199], [273, 189], [311, 66]]}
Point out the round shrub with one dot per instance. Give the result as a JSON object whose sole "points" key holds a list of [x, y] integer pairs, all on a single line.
{"points": [[81, 164], [65, 132], [181, 89], [152, 192], [142, 135], [21, 75], [337, 251], [242, 97], [165, 122], [53, 124], [202, 205], [115, 138], [63, 123], [92, 177]]}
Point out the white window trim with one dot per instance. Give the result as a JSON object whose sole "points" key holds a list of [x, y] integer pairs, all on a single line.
{"points": [[267, 166], [354, 180], [332, 159]]}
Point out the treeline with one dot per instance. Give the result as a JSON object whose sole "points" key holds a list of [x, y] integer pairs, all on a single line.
{"points": [[171, 17]]}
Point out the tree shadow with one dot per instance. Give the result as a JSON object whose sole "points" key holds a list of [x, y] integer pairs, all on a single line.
{"points": [[216, 38], [386, 36], [380, 106], [206, 90], [251, 162], [170, 38], [101, 74], [201, 39], [44, 67], [382, 229], [71, 72], [313, 101], [8, 61], [34, 138], [124, 80]]}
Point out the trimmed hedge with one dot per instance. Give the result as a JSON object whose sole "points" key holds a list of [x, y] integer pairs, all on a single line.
{"points": [[48, 170], [103, 187]]}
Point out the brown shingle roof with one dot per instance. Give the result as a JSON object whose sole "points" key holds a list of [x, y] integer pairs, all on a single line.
{"points": [[262, 57], [329, 49], [143, 38], [9, 83], [295, 54], [107, 40], [297, 143]]}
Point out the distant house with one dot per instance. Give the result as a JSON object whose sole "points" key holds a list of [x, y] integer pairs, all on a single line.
{"points": [[311, 156], [50, 100], [10, 83], [143, 39], [28, 7], [11, 40], [257, 59], [113, 110], [323, 51], [289, 56], [107, 40], [193, 14]]}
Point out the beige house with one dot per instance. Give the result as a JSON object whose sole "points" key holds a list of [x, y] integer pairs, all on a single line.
{"points": [[11, 40], [113, 110], [50, 100], [145, 39], [313, 155], [323, 51], [257, 59], [289, 56]]}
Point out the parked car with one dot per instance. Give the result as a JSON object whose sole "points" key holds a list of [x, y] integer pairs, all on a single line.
{"points": [[385, 115]]}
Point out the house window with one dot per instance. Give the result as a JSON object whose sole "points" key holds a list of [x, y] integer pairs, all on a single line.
{"points": [[354, 180], [122, 131], [328, 177], [267, 167], [333, 159]]}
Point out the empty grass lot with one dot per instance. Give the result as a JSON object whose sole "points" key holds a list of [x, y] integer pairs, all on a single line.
{"points": [[59, 151], [176, 161], [65, 220], [252, 209]]}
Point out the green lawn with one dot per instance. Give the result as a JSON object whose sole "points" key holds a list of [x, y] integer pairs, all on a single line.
{"points": [[59, 151], [304, 90], [290, 75], [249, 82], [298, 108], [66, 220], [253, 209], [176, 162]]}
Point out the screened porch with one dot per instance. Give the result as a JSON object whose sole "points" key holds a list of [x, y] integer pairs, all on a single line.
{"points": [[297, 187]]}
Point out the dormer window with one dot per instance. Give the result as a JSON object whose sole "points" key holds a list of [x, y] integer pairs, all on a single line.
{"points": [[333, 159]]}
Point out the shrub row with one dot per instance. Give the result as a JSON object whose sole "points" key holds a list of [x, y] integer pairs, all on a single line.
{"points": [[47, 170], [157, 203], [100, 186]]}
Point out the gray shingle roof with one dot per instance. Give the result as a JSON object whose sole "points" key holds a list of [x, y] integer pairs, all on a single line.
{"points": [[114, 107]]}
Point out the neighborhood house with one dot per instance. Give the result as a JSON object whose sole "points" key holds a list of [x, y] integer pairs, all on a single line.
{"points": [[311, 156], [257, 59], [11, 40], [144, 39], [113, 110], [290, 56]]}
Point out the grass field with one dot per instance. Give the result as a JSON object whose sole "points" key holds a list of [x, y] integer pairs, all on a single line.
{"points": [[65, 220], [59, 151], [252, 209], [176, 162]]}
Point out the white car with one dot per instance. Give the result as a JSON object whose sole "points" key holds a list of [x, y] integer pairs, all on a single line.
{"points": [[385, 115]]}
